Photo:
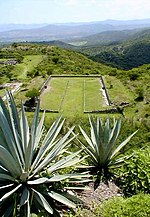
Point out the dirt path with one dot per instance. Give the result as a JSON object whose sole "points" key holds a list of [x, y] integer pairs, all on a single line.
{"points": [[92, 198]]}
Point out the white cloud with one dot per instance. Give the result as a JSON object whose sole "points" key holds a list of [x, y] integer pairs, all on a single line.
{"points": [[72, 2], [124, 9], [81, 2]]}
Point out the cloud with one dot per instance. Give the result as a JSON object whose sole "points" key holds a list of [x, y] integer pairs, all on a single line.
{"points": [[125, 9], [107, 9], [81, 2], [72, 2]]}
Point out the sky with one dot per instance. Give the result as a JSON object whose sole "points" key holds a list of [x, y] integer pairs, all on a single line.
{"points": [[66, 11]]}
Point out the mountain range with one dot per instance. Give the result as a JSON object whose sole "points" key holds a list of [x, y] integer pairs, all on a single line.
{"points": [[66, 31]]}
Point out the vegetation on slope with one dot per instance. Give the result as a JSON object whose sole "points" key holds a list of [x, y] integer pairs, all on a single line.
{"points": [[126, 56], [122, 49], [60, 61], [45, 60]]}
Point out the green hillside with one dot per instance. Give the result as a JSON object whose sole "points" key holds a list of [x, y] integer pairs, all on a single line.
{"points": [[126, 56], [122, 49], [105, 38], [45, 60], [102, 107], [37, 62]]}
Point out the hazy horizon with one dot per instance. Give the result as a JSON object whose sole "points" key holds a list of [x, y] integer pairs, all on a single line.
{"points": [[59, 23], [71, 11]]}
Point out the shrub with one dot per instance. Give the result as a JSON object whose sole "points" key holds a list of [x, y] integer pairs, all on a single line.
{"points": [[134, 176], [33, 93], [135, 206]]}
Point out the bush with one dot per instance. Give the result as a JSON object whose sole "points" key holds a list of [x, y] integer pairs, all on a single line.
{"points": [[33, 93], [135, 206], [134, 176]]}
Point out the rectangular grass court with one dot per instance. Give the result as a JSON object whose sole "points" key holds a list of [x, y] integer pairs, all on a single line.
{"points": [[73, 95]]}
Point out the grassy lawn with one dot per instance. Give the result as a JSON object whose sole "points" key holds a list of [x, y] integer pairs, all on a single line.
{"points": [[52, 97], [67, 95], [5, 59], [117, 91], [64, 94], [28, 64], [73, 101], [94, 99]]}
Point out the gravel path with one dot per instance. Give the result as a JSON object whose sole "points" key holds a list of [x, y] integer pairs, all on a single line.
{"points": [[103, 192]]}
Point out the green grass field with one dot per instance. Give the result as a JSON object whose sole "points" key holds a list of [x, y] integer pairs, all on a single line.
{"points": [[51, 98], [117, 91], [28, 64], [73, 95], [94, 99], [2, 92]]}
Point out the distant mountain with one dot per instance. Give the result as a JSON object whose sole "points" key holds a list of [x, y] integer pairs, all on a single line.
{"points": [[106, 38], [66, 31], [54, 32], [138, 22], [9, 27]]}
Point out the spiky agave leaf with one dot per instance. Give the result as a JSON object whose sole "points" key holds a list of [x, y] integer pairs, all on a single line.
{"points": [[101, 144], [25, 155]]}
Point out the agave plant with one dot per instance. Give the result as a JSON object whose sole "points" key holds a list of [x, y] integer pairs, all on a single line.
{"points": [[30, 163], [101, 146]]}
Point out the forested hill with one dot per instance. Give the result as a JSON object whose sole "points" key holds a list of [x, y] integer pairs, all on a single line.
{"points": [[106, 38], [126, 56], [133, 52], [45, 60]]}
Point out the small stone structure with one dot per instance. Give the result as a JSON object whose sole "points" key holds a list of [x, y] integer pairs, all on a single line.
{"points": [[104, 90]]}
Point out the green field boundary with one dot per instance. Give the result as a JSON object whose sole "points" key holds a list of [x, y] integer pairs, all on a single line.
{"points": [[73, 96], [104, 111], [90, 94], [76, 76], [45, 84]]}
